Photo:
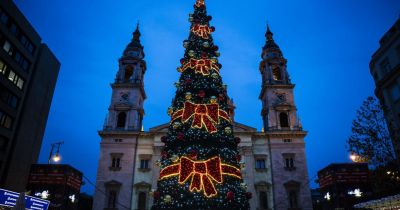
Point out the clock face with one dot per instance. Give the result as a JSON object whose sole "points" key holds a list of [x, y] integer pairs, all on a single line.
{"points": [[281, 97], [125, 96]]}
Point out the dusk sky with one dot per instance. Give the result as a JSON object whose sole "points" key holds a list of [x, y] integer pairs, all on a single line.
{"points": [[328, 44]]}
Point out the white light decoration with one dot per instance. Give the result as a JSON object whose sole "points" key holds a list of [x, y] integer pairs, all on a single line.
{"points": [[72, 198], [44, 195], [327, 196], [356, 192]]}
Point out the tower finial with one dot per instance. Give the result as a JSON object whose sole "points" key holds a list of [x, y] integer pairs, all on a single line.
{"points": [[136, 33], [137, 25], [268, 34]]}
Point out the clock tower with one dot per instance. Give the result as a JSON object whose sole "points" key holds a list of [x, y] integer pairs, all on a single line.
{"points": [[126, 108], [284, 131], [121, 131]]}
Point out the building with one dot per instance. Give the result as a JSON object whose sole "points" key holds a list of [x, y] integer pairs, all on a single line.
{"points": [[317, 199], [385, 69], [275, 167], [60, 184], [344, 184], [28, 72]]}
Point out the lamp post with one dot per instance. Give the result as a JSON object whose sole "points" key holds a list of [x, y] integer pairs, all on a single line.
{"points": [[356, 158], [56, 157]]}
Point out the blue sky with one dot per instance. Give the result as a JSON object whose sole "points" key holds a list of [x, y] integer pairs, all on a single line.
{"points": [[328, 44]]}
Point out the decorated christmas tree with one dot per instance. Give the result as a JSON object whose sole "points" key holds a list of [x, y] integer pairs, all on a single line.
{"points": [[200, 163]]}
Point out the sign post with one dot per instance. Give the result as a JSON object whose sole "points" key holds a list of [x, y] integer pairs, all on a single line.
{"points": [[9, 199]]}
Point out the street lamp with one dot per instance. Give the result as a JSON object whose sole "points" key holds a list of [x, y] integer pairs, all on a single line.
{"points": [[353, 157], [56, 158], [356, 158]]}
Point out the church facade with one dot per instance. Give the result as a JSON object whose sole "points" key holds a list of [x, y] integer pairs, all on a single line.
{"points": [[273, 161]]}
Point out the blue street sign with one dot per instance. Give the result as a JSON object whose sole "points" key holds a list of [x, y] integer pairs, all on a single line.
{"points": [[9, 199]]}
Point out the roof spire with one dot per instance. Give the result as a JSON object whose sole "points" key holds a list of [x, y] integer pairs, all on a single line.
{"points": [[269, 34], [136, 33]]}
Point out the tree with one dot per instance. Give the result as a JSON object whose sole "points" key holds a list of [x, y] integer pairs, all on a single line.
{"points": [[370, 138], [200, 161]]}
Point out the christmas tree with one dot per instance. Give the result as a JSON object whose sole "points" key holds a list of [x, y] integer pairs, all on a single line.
{"points": [[200, 163]]}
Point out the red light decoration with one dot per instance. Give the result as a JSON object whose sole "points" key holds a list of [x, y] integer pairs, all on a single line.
{"points": [[202, 66], [200, 3], [202, 174], [206, 115], [202, 31], [230, 195]]}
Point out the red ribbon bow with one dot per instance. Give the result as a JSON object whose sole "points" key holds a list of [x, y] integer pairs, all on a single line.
{"points": [[203, 174], [202, 66], [206, 115], [202, 30]]}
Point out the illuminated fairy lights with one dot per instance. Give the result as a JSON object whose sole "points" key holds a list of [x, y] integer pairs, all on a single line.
{"points": [[200, 3], [202, 66], [202, 31], [202, 174], [206, 115]]}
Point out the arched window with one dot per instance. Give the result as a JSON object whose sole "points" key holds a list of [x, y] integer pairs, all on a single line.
{"points": [[276, 73], [283, 119], [112, 199], [121, 120], [128, 73], [142, 201]]}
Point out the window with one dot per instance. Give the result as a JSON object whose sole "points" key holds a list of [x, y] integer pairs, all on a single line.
{"points": [[8, 48], [276, 73], [5, 120], [118, 140], [142, 201], [289, 162], [14, 29], [144, 164], [21, 60], [116, 162], [115, 159], [287, 140], [121, 120], [263, 199], [112, 199], [260, 164], [7, 97], [283, 119], [385, 66], [394, 92], [128, 73], [3, 17], [293, 199], [398, 51], [14, 78], [3, 67], [3, 143]]}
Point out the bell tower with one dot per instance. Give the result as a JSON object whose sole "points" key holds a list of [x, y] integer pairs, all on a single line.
{"points": [[126, 108], [283, 130], [279, 110]]}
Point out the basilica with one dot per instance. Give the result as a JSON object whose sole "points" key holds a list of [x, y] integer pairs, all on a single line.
{"points": [[273, 161]]}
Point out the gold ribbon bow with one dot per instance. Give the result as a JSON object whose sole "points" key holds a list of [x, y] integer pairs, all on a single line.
{"points": [[203, 174], [206, 115]]}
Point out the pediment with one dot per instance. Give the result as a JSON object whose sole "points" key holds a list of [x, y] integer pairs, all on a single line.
{"points": [[142, 184], [113, 183]]}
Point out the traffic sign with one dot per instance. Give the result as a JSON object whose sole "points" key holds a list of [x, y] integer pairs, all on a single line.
{"points": [[9, 199]]}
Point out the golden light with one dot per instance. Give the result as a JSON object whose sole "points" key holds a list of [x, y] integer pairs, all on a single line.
{"points": [[353, 157], [56, 157]]}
